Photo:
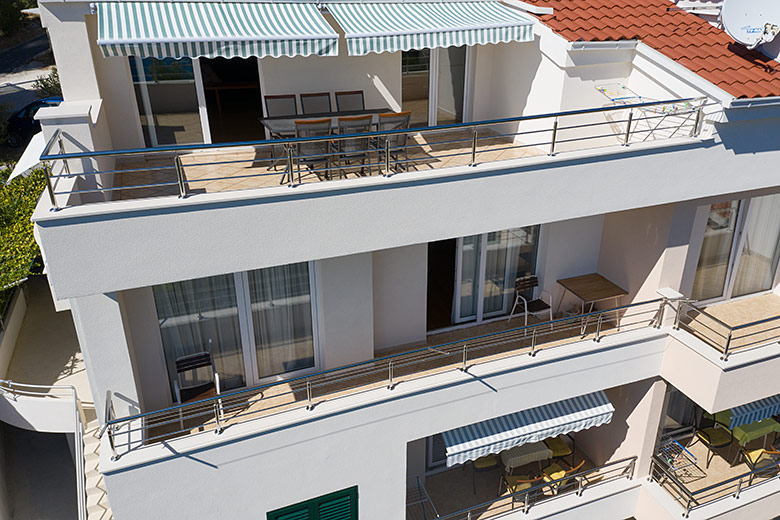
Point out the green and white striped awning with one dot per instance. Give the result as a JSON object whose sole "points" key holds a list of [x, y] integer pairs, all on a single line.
{"points": [[390, 27], [213, 29]]}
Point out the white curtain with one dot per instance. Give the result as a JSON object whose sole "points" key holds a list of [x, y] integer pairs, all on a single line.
{"points": [[469, 278], [282, 318], [759, 255], [202, 315]]}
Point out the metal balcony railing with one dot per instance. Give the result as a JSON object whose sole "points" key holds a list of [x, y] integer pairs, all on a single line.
{"points": [[730, 488], [13, 391], [75, 178], [576, 483], [220, 412], [726, 339]]}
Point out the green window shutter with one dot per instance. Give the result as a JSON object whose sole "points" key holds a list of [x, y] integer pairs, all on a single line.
{"points": [[337, 509], [300, 512], [341, 505]]}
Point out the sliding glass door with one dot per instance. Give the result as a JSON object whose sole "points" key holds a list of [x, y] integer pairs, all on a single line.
{"points": [[741, 249], [256, 325], [202, 316], [167, 99], [487, 266], [280, 299]]}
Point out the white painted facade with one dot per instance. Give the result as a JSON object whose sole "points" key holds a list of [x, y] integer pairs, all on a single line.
{"points": [[635, 214]]}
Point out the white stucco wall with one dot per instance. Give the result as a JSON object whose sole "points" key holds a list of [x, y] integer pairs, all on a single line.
{"points": [[145, 344], [9, 334], [568, 248], [400, 296], [377, 75], [633, 247], [345, 310], [634, 425]]}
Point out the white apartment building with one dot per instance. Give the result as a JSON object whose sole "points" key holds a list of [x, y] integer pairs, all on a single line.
{"points": [[339, 302]]}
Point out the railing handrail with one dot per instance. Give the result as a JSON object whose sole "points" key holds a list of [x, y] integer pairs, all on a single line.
{"points": [[334, 137], [78, 431], [692, 496], [253, 389], [628, 461]]}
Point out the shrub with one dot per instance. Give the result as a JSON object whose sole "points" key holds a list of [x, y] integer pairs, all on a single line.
{"points": [[11, 17], [48, 85], [18, 248]]}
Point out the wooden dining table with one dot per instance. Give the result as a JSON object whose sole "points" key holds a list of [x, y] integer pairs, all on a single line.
{"points": [[284, 126], [591, 289]]}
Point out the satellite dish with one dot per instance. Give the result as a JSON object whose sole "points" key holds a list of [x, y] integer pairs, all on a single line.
{"points": [[751, 22]]}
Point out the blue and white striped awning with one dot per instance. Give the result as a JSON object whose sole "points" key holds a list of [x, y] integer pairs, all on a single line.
{"points": [[213, 29], [532, 425], [389, 26], [755, 411]]}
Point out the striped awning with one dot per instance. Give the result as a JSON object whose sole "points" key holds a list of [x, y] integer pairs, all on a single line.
{"points": [[755, 411], [213, 29], [532, 425], [390, 27]]}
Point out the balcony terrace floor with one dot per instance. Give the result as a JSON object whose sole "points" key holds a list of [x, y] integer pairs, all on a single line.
{"points": [[248, 168], [722, 467], [439, 353], [734, 313]]}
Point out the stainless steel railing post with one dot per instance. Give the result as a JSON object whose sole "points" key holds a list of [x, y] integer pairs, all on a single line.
{"points": [[180, 177], [628, 127], [390, 375], [739, 489], [579, 486], [725, 356], [49, 187], [526, 503], [465, 357], [473, 147], [387, 157], [677, 314], [62, 151], [290, 165], [697, 126], [598, 328], [309, 406], [533, 344], [218, 430], [554, 137], [661, 309]]}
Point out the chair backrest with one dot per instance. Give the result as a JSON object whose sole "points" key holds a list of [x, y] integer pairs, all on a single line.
{"points": [[526, 283], [575, 469], [394, 121], [316, 103], [354, 125], [281, 105], [194, 374], [312, 128], [350, 100]]}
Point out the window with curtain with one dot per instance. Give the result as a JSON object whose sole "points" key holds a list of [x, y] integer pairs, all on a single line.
{"points": [[280, 300], [202, 316], [712, 269], [760, 247]]}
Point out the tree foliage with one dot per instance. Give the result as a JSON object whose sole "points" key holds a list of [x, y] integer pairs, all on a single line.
{"points": [[48, 85], [11, 17], [18, 248]]}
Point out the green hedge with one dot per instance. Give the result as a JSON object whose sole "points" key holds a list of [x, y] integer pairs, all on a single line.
{"points": [[18, 248]]}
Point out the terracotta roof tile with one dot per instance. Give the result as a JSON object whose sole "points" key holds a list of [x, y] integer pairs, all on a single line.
{"points": [[682, 36]]}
